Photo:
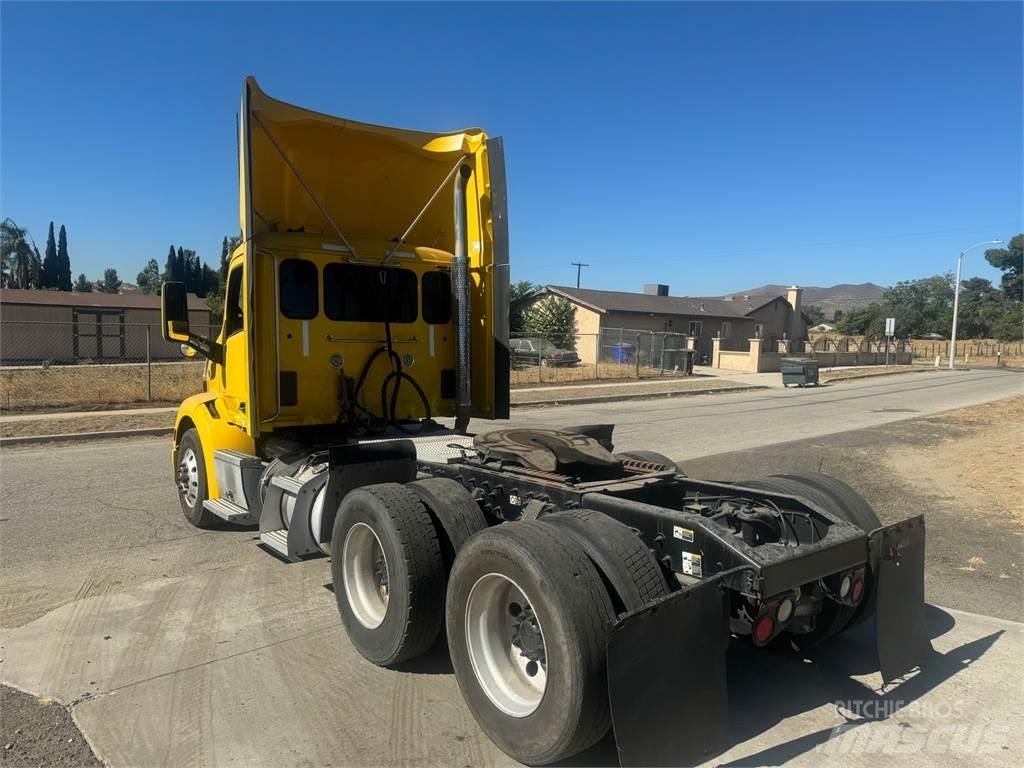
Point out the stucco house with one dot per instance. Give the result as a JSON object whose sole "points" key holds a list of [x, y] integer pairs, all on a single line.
{"points": [[735, 319]]}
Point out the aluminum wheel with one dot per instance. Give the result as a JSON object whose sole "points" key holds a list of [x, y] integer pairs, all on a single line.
{"points": [[188, 476], [506, 645], [365, 575]]}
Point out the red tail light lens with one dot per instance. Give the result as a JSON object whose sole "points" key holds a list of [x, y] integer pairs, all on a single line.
{"points": [[858, 591], [764, 628]]}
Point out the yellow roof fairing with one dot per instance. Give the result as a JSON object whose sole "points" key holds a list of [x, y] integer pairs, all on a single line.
{"points": [[371, 180]]}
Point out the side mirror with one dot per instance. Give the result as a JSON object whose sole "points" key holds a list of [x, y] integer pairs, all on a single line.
{"points": [[187, 351], [174, 312]]}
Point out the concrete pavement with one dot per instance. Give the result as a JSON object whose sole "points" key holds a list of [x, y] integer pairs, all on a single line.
{"points": [[249, 665], [187, 647]]}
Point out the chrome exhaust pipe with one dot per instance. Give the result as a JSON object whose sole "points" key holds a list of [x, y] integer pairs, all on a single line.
{"points": [[460, 289]]}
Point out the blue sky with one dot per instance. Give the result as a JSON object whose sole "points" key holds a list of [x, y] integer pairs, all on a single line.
{"points": [[714, 147]]}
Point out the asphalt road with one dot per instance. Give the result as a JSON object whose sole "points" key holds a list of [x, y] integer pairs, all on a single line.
{"points": [[184, 647]]}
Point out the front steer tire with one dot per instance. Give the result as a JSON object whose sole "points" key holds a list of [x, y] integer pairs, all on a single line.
{"points": [[414, 608], [574, 611], [190, 465]]}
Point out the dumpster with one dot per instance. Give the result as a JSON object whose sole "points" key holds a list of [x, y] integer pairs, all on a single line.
{"points": [[622, 353], [800, 371]]}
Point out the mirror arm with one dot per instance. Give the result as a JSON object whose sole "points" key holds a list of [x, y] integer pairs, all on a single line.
{"points": [[208, 348]]}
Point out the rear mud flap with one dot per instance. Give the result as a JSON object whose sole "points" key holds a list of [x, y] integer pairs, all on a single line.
{"points": [[900, 631], [666, 678]]}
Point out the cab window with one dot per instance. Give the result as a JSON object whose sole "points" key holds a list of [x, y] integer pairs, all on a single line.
{"points": [[356, 293], [297, 284], [233, 303], [437, 298]]}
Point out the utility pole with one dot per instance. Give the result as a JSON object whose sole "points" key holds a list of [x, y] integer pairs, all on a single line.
{"points": [[579, 268], [956, 297]]}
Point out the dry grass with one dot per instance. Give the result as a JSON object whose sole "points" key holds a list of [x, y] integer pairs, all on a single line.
{"points": [[978, 461], [90, 386], [53, 424]]}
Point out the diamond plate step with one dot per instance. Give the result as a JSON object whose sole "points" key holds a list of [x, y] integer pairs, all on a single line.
{"points": [[277, 541], [229, 511]]}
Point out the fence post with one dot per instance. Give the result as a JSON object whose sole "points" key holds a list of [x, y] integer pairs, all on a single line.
{"points": [[636, 356], [149, 369]]}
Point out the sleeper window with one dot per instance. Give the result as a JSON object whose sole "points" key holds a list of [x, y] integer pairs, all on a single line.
{"points": [[299, 289], [437, 298], [356, 293]]}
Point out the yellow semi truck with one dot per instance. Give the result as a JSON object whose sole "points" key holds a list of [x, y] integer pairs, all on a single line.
{"points": [[579, 589]]}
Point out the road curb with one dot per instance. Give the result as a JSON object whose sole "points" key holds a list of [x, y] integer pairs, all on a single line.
{"points": [[83, 436], [637, 396], [841, 379]]}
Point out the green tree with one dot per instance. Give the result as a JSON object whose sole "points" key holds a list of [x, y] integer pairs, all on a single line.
{"points": [[814, 314], [83, 284], [180, 272], [19, 257], [920, 306], [111, 283], [169, 266], [552, 318], [863, 321], [149, 278], [1011, 261], [49, 272], [516, 292], [63, 261]]}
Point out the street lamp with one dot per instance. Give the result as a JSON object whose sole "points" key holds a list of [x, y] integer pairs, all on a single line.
{"points": [[956, 297]]}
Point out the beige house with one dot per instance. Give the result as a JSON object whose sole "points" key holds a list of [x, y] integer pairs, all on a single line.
{"points": [[60, 327], [733, 319]]}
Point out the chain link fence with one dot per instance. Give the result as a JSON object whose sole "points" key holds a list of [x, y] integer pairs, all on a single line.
{"points": [[608, 355], [94, 363], [104, 362]]}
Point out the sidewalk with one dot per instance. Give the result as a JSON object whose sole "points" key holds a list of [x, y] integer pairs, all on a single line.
{"points": [[23, 428]]}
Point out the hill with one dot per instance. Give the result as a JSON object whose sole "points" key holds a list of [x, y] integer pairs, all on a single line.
{"points": [[843, 296]]}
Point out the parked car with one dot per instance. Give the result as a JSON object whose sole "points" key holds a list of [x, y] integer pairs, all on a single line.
{"points": [[530, 351], [932, 337]]}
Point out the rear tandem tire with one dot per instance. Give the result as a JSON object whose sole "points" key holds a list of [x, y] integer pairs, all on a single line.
{"points": [[385, 551], [618, 553], [193, 490], [560, 589]]}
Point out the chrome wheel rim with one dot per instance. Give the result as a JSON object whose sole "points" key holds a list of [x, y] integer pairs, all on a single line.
{"points": [[188, 477], [366, 576], [506, 645]]}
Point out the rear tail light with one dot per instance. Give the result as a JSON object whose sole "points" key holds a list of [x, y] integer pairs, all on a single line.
{"points": [[764, 628], [858, 591], [785, 611], [844, 586]]}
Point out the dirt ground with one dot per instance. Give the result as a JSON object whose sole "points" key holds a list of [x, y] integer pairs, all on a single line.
{"points": [[977, 463], [52, 424], [963, 469], [39, 732]]}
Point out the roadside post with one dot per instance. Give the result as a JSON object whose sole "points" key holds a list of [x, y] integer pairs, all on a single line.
{"points": [[890, 331]]}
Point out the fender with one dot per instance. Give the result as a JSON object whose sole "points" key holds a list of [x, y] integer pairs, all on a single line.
{"points": [[215, 433]]}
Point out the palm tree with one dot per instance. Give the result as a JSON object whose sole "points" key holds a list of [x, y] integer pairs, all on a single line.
{"points": [[19, 256]]}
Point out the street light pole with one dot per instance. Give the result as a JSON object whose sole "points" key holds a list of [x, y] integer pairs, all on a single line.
{"points": [[956, 297]]}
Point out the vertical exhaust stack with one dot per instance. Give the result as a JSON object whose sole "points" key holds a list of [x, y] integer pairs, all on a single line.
{"points": [[460, 286]]}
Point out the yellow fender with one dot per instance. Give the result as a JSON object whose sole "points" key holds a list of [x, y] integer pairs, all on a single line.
{"points": [[206, 414]]}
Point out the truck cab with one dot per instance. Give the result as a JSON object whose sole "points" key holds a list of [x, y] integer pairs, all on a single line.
{"points": [[369, 290]]}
